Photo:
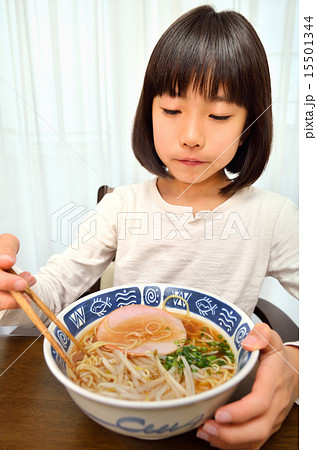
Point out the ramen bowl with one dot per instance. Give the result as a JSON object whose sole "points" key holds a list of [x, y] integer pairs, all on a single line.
{"points": [[152, 419]]}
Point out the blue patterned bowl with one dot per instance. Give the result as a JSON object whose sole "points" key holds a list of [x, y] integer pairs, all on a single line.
{"points": [[152, 420]]}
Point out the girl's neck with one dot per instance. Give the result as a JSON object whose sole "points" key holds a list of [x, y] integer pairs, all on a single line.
{"points": [[203, 196]]}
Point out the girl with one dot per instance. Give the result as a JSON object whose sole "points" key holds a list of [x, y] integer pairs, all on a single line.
{"points": [[203, 126]]}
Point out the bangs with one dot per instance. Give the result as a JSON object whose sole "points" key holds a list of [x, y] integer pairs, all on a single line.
{"points": [[204, 50], [200, 54]]}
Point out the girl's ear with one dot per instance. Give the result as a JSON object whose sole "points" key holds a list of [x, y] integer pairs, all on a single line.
{"points": [[244, 136]]}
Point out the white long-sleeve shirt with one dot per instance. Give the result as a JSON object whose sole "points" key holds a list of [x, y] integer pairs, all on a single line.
{"points": [[227, 252]]}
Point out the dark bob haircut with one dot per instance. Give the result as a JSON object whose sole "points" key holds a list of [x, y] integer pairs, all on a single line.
{"points": [[206, 50]]}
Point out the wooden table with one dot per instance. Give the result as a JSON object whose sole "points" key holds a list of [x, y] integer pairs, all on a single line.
{"points": [[36, 412]]}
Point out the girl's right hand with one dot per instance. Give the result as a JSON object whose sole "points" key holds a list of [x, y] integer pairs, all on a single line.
{"points": [[9, 247]]}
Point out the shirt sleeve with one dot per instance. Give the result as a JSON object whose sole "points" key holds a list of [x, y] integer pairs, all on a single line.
{"points": [[283, 261], [66, 276]]}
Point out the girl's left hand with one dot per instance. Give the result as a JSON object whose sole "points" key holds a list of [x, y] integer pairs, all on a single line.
{"points": [[249, 422]]}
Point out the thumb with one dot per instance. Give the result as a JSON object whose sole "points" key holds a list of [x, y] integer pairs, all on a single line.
{"points": [[9, 247], [263, 338]]}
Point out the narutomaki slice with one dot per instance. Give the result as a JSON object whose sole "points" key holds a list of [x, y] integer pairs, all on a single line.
{"points": [[138, 329]]}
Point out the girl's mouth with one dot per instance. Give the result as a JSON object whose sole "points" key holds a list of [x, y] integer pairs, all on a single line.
{"points": [[191, 162]]}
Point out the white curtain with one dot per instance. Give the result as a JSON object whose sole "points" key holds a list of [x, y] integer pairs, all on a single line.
{"points": [[70, 77]]}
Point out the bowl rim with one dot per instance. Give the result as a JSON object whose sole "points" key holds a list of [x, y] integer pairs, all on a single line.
{"points": [[137, 404]]}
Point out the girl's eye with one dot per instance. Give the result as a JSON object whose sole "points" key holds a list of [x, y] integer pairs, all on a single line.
{"points": [[219, 118], [171, 112]]}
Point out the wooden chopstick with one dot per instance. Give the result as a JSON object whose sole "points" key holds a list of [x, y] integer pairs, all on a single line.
{"points": [[51, 315], [40, 325]]}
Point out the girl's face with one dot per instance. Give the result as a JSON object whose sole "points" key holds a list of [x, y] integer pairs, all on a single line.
{"points": [[196, 138]]}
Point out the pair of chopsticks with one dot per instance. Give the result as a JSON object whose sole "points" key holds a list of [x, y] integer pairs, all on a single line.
{"points": [[20, 299]]}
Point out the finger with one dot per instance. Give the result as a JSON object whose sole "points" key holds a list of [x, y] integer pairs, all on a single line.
{"points": [[264, 388], [29, 278], [249, 435], [254, 404], [245, 409], [7, 301], [9, 247], [263, 338], [10, 282]]}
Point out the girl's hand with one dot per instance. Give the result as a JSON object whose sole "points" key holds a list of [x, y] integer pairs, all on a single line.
{"points": [[249, 422], [9, 247]]}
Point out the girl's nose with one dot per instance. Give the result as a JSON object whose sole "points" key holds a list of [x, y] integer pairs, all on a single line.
{"points": [[192, 134]]}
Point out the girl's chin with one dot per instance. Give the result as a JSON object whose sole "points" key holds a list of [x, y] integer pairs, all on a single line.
{"points": [[193, 178], [184, 183]]}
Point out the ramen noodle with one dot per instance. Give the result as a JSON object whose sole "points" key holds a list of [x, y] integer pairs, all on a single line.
{"points": [[201, 361]]}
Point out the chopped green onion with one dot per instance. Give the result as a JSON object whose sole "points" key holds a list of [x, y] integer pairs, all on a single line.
{"points": [[196, 355]]}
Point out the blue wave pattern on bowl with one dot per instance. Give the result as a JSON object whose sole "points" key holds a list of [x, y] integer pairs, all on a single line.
{"points": [[205, 306], [102, 304]]}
